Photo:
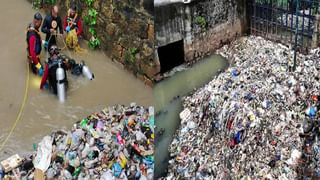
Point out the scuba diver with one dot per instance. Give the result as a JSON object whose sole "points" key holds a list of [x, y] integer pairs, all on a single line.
{"points": [[34, 44], [51, 24], [55, 73]]}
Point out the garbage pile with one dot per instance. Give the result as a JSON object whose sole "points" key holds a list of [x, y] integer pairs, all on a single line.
{"points": [[256, 120], [116, 143]]}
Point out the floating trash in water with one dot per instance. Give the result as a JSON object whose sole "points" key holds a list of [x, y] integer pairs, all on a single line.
{"points": [[117, 142], [258, 122]]}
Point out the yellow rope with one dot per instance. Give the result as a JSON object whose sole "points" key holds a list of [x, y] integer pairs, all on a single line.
{"points": [[71, 39], [72, 42], [21, 109]]}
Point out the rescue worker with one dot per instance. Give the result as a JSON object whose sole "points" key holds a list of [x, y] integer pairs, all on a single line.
{"points": [[49, 75], [73, 21], [34, 44], [51, 24], [73, 26]]}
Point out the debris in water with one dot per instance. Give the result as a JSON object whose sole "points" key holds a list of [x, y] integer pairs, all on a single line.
{"points": [[117, 142], [256, 120]]}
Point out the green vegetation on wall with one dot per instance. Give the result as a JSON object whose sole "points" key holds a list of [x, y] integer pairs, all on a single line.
{"points": [[130, 55], [89, 2], [91, 21], [201, 21], [37, 4]]}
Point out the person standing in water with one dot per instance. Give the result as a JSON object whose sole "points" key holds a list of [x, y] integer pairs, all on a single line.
{"points": [[51, 24], [34, 44], [73, 27], [73, 21]]}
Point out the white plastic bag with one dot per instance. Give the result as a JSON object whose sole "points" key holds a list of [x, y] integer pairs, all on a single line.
{"points": [[43, 157]]}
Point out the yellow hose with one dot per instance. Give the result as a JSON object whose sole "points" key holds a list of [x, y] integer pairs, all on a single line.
{"points": [[72, 42], [21, 109]]}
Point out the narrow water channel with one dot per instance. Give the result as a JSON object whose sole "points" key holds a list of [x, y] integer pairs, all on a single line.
{"points": [[168, 103]]}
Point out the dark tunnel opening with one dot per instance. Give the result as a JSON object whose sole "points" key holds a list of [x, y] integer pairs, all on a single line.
{"points": [[171, 55]]}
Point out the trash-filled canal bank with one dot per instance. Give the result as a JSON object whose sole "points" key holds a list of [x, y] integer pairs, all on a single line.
{"points": [[116, 142], [254, 120], [167, 96]]}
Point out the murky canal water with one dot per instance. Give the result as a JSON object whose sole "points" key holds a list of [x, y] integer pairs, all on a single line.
{"points": [[168, 104]]}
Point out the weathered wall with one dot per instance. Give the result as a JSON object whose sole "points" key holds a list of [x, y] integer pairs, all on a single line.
{"points": [[169, 22], [121, 25], [128, 24], [204, 25]]}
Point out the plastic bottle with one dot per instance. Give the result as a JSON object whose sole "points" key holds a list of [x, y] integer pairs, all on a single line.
{"points": [[83, 123], [116, 168], [51, 173], [71, 155], [106, 175], [119, 138], [76, 135], [69, 139], [100, 125], [67, 175], [93, 132], [85, 151], [1, 173], [76, 172], [89, 164], [151, 119]]}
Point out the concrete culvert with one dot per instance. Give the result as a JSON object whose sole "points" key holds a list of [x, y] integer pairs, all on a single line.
{"points": [[171, 55]]}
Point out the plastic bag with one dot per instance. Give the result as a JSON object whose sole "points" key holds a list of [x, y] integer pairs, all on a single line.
{"points": [[44, 151]]}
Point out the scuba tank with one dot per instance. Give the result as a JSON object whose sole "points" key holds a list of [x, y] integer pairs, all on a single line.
{"points": [[61, 89], [86, 71]]}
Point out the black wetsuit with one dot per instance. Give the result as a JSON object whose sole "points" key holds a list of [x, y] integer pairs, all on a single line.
{"points": [[47, 25]]}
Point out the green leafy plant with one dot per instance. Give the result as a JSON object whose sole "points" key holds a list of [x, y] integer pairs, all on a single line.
{"points": [[130, 55], [93, 13], [86, 20], [91, 20], [201, 21], [93, 31], [89, 2], [94, 43], [50, 2], [37, 4]]}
